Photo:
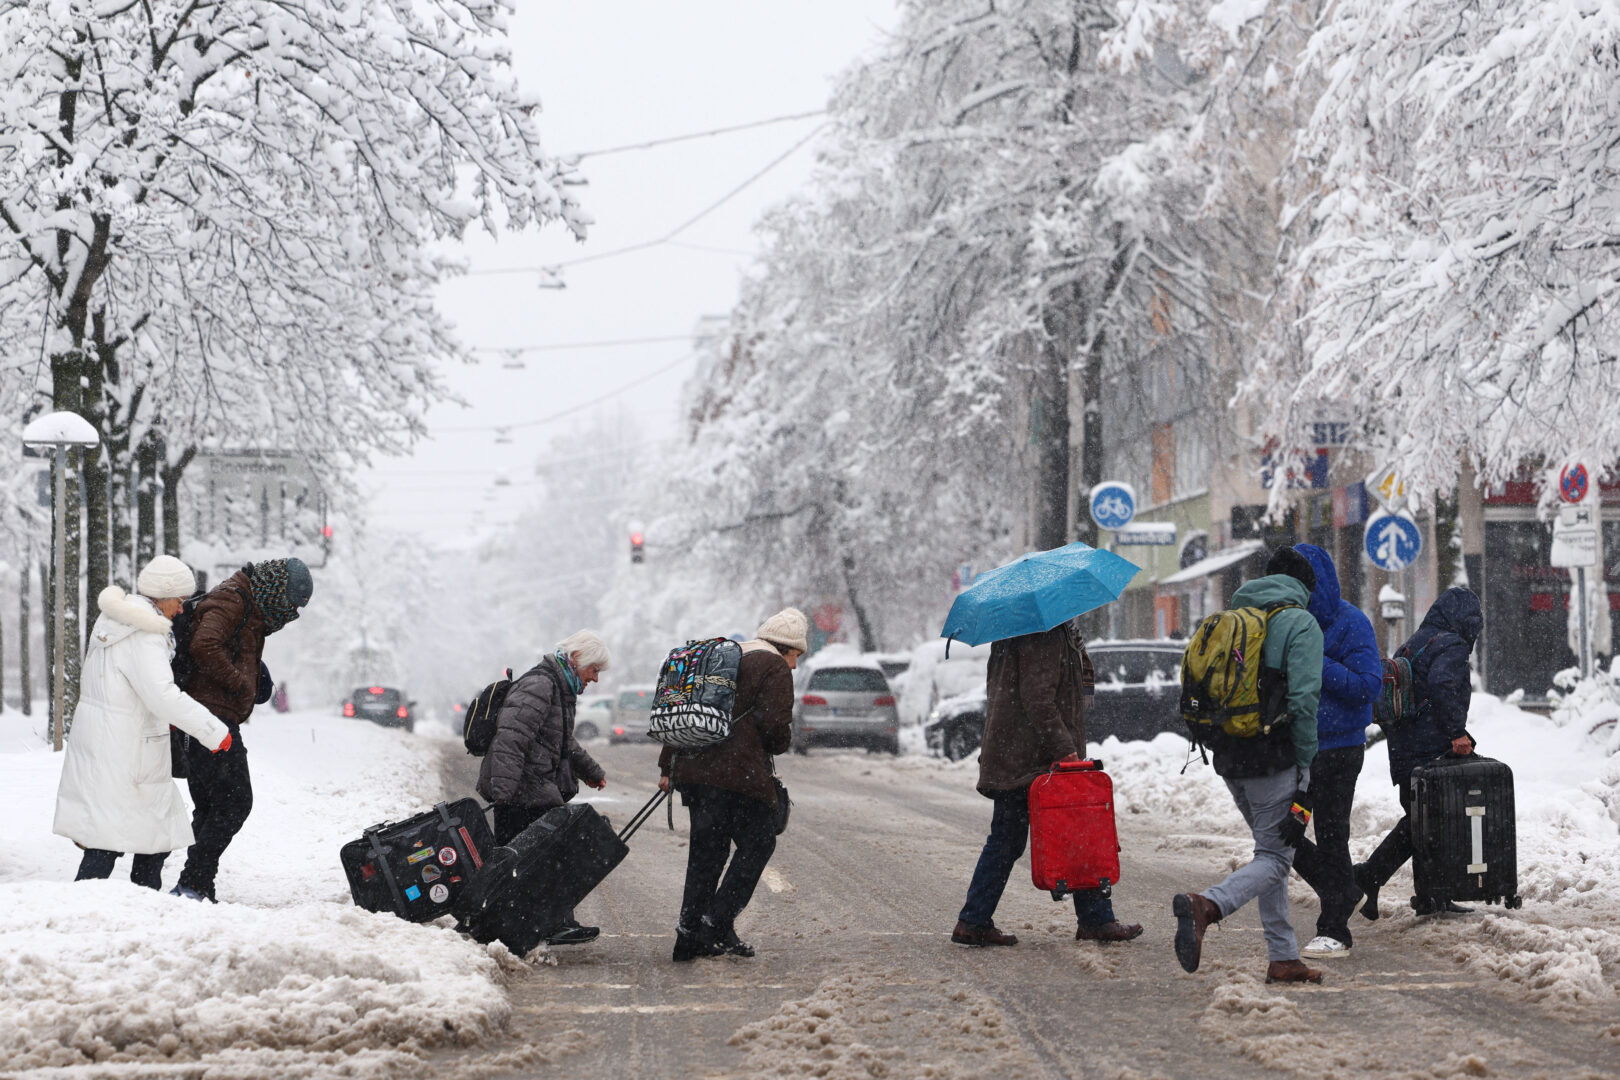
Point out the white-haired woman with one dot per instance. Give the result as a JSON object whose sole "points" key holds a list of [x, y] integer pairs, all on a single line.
{"points": [[534, 762], [116, 792]]}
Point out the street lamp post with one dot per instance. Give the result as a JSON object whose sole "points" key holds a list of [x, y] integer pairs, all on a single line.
{"points": [[60, 431]]}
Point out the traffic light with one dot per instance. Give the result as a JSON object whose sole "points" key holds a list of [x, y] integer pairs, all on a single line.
{"points": [[636, 554]]}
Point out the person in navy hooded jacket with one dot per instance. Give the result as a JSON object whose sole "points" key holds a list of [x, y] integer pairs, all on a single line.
{"points": [[1443, 682], [1352, 677]]}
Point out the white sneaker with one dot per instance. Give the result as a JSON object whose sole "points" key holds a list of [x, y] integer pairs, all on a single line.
{"points": [[1325, 948]]}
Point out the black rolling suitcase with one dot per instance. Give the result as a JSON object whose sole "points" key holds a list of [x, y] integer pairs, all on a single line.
{"points": [[1464, 833], [418, 868], [527, 888]]}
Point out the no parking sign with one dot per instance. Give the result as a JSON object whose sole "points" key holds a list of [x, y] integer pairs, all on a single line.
{"points": [[1573, 483]]}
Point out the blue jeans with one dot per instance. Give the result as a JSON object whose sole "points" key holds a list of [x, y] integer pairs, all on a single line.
{"points": [[1264, 802], [1009, 833]]}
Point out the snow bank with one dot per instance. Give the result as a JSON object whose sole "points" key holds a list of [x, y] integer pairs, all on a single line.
{"points": [[108, 972], [285, 977]]}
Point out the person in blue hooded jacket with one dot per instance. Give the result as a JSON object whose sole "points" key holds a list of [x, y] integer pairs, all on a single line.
{"points": [[1440, 676], [1352, 677]]}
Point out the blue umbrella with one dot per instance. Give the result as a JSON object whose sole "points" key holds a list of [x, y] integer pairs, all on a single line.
{"points": [[1036, 592]]}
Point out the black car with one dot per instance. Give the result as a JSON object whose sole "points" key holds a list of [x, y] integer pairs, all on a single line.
{"points": [[1138, 697], [381, 705], [956, 726]]}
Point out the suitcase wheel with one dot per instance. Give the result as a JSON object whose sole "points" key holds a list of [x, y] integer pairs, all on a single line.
{"points": [[1514, 902], [1061, 891]]}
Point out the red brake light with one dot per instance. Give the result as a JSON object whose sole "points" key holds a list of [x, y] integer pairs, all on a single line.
{"points": [[403, 712], [348, 708], [886, 699], [375, 690], [813, 699], [618, 731]]}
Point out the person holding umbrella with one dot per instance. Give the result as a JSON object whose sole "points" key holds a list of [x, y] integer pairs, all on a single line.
{"points": [[1037, 686]]}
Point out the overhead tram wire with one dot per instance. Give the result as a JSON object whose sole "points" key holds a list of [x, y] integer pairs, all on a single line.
{"points": [[571, 410], [606, 344], [629, 249], [667, 140]]}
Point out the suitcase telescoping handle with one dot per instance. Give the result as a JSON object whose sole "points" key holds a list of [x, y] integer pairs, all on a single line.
{"points": [[642, 815], [1089, 765]]}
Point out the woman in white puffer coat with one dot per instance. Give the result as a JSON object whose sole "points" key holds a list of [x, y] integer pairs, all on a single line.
{"points": [[116, 793]]}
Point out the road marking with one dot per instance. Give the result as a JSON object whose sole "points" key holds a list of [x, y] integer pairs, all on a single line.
{"points": [[1391, 986], [775, 882], [551, 1008]]}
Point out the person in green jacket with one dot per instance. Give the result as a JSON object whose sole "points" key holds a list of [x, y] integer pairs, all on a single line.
{"points": [[1269, 776]]}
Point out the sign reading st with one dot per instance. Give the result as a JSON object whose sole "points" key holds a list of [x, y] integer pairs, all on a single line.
{"points": [[1392, 541], [1113, 504]]}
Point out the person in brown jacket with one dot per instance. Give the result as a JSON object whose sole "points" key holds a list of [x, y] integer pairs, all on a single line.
{"points": [[1037, 687], [227, 644], [728, 790]]}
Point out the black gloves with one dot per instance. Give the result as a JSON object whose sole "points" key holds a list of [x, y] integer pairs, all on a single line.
{"points": [[1299, 816]]}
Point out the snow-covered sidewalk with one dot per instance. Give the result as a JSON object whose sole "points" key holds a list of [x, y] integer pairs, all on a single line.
{"points": [[283, 978]]}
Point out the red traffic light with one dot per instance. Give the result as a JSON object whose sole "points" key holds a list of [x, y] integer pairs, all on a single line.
{"points": [[635, 538], [326, 532]]}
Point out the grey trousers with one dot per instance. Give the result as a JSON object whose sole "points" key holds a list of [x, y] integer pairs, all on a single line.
{"points": [[1263, 801]]}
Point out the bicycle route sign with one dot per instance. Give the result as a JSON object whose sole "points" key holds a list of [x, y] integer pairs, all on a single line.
{"points": [[1113, 504]]}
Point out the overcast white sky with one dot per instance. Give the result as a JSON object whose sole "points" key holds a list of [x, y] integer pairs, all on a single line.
{"points": [[611, 74]]}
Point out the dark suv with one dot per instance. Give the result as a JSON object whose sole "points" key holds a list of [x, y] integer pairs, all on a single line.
{"points": [[1138, 696], [381, 705]]}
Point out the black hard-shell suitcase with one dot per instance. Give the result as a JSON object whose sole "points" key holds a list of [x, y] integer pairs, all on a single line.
{"points": [[526, 890], [1464, 832], [418, 868]]}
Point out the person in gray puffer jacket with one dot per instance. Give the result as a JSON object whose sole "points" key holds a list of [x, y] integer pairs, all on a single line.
{"points": [[534, 763]]}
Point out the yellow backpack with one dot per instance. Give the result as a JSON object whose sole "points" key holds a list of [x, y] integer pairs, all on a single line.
{"points": [[1223, 687]]}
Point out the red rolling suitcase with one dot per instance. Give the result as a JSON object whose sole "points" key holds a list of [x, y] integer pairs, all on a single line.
{"points": [[1073, 844]]}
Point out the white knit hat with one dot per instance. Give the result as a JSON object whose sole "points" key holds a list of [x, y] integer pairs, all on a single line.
{"points": [[788, 628], [165, 578]]}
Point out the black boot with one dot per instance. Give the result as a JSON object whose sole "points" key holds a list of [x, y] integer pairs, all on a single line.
{"points": [[690, 947], [1368, 888]]}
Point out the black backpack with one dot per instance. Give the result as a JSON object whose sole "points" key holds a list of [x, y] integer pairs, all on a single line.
{"points": [[482, 713]]}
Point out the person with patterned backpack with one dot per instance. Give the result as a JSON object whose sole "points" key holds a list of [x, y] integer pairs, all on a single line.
{"points": [[1251, 681], [730, 790]]}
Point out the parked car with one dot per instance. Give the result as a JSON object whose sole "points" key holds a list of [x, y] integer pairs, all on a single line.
{"points": [[630, 712], [593, 714], [894, 667], [846, 705], [1138, 697], [932, 678], [381, 705], [1138, 689], [956, 726]]}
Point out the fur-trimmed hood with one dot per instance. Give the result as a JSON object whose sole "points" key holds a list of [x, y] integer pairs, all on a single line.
{"points": [[123, 614]]}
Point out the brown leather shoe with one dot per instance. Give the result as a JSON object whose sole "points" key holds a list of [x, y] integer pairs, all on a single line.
{"points": [[1193, 913], [1108, 931], [1291, 971], [979, 936]]}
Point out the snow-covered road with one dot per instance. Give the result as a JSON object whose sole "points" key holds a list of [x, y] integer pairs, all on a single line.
{"points": [[855, 975]]}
